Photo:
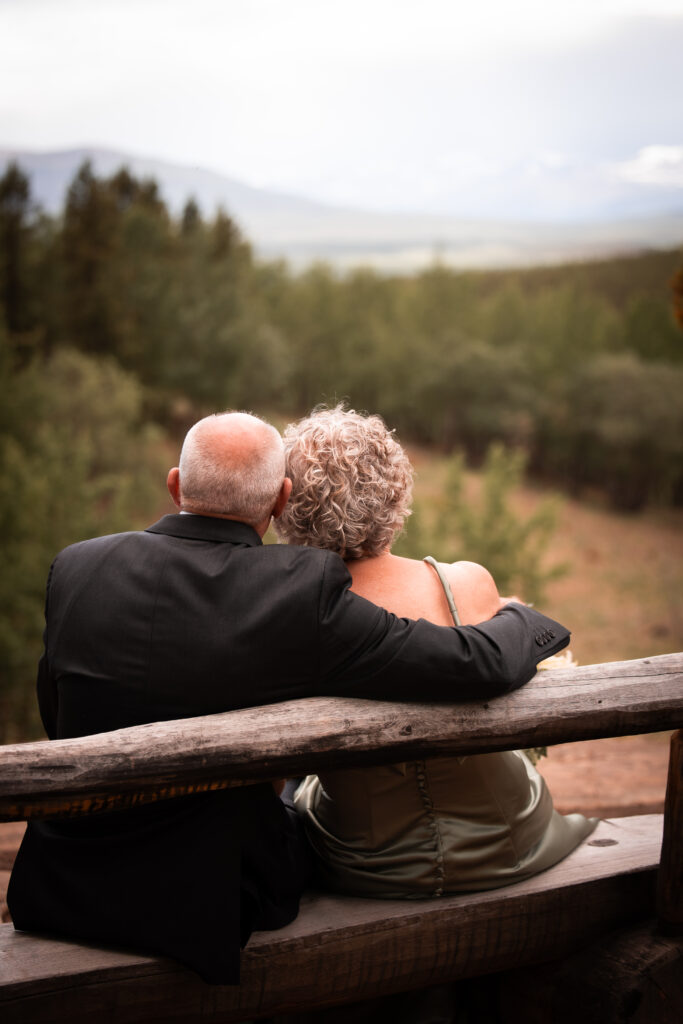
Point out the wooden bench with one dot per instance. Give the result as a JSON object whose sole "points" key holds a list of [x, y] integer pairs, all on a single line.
{"points": [[343, 949]]}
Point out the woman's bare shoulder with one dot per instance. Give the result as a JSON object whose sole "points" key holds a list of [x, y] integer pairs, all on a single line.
{"points": [[471, 570], [474, 590]]}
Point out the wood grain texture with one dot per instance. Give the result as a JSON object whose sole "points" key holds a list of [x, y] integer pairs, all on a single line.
{"points": [[342, 949], [162, 760], [634, 975], [670, 884]]}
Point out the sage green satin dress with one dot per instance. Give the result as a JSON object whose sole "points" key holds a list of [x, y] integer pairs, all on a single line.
{"points": [[443, 825]]}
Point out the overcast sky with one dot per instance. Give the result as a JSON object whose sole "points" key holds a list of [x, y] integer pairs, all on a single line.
{"points": [[404, 104]]}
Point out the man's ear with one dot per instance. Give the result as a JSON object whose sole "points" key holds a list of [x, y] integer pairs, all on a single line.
{"points": [[173, 484], [282, 498]]}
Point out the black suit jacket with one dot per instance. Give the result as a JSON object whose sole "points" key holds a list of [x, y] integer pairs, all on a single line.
{"points": [[191, 617]]}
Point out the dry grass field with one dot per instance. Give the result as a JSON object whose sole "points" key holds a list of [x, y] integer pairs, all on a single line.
{"points": [[622, 594], [622, 599]]}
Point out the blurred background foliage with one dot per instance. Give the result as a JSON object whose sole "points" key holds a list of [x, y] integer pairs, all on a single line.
{"points": [[120, 325], [487, 528]]}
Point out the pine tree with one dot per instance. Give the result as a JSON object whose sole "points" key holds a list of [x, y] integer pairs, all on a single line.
{"points": [[14, 231]]}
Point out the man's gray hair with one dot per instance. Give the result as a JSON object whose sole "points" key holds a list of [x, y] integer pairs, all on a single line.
{"points": [[237, 480]]}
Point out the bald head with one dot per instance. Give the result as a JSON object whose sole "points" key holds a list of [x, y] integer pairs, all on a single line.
{"points": [[233, 465]]}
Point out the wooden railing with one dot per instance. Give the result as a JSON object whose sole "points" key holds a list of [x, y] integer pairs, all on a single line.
{"points": [[165, 759], [414, 943]]}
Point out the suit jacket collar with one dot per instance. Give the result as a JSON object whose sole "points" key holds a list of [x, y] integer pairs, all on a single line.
{"points": [[226, 531]]}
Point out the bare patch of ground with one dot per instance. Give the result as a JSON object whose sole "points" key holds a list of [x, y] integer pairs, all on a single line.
{"points": [[609, 778], [10, 838], [623, 594]]}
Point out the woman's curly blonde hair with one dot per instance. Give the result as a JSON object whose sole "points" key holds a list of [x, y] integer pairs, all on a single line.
{"points": [[352, 483]]}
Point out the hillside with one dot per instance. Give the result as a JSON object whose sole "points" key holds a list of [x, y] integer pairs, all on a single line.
{"points": [[303, 231]]}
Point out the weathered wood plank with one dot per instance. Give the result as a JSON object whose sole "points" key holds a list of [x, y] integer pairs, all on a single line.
{"points": [[341, 949], [670, 884], [162, 760], [633, 975]]}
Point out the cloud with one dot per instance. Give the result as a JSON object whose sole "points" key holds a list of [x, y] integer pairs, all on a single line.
{"points": [[487, 107], [653, 165]]}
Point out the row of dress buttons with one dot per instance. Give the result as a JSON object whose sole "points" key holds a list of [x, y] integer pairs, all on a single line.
{"points": [[434, 828]]}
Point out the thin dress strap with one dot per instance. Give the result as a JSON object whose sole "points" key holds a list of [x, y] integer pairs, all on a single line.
{"points": [[446, 587]]}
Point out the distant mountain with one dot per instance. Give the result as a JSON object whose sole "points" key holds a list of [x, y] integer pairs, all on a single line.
{"points": [[303, 231]]}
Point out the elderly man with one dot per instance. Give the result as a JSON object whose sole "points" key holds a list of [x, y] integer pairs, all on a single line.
{"points": [[194, 616]]}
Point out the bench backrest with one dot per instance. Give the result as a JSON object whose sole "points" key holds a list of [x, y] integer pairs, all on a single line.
{"points": [[167, 759]]}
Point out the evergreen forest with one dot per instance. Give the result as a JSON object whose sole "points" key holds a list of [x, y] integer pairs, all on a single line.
{"points": [[121, 324]]}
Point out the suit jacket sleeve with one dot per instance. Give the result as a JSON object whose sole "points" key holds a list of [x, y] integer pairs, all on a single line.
{"points": [[368, 652]]}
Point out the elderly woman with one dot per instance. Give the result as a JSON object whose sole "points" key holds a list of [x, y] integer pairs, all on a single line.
{"points": [[419, 828]]}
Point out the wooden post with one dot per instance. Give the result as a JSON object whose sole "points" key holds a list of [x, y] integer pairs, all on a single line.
{"points": [[670, 880]]}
